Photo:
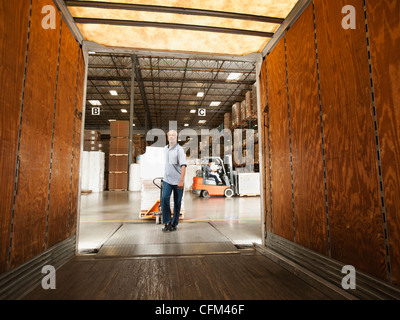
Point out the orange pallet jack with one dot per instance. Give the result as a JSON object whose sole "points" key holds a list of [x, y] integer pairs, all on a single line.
{"points": [[155, 212]]}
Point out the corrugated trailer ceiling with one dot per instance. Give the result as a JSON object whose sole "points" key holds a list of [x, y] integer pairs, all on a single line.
{"points": [[224, 27]]}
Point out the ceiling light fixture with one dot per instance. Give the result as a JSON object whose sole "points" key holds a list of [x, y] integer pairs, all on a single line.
{"points": [[202, 121], [215, 103], [192, 111], [124, 110], [113, 92], [200, 94], [95, 102], [234, 76]]}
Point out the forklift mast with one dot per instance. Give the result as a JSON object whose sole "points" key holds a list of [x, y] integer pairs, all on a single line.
{"points": [[232, 175]]}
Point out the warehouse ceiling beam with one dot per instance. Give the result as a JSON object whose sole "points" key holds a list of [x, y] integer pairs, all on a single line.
{"points": [[143, 54], [165, 107], [161, 86], [197, 69], [180, 91], [197, 80], [172, 100], [153, 89], [152, 24], [126, 89], [159, 94], [173, 10], [139, 80]]}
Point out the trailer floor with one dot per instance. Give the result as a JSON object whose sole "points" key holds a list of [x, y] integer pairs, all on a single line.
{"points": [[206, 258], [246, 275]]}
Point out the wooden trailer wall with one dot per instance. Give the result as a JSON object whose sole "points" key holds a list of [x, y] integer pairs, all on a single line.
{"points": [[42, 78], [331, 101]]}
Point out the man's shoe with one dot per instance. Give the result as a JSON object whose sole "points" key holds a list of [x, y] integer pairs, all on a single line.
{"points": [[166, 228], [172, 228]]}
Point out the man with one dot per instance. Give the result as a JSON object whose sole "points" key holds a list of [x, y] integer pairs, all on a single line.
{"points": [[175, 169], [212, 173]]}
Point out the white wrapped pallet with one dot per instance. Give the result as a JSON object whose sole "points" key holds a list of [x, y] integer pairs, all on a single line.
{"points": [[152, 163], [135, 184], [151, 166], [190, 174], [85, 170], [249, 184], [96, 171], [150, 193]]}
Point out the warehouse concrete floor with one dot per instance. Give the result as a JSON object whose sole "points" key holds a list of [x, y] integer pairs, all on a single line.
{"points": [[238, 219]]}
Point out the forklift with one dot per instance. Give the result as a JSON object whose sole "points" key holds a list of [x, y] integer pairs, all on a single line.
{"points": [[205, 185]]}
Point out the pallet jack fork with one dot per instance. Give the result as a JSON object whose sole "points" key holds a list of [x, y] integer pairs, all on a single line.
{"points": [[155, 212]]}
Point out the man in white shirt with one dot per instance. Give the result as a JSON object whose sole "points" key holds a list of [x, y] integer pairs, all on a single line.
{"points": [[213, 173], [174, 176]]}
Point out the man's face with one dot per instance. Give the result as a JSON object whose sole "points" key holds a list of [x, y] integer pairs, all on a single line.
{"points": [[172, 137]]}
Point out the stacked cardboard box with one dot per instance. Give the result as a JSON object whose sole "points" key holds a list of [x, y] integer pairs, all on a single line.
{"points": [[92, 135], [249, 108], [242, 111], [235, 114], [254, 99], [138, 145], [227, 120], [117, 181], [204, 148], [118, 157], [244, 142], [92, 145], [256, 153], [92, 141], [119, 128], [119, 145], [118, 163], [105, 146]]}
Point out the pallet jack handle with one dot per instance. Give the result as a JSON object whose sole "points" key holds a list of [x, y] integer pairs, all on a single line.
{"points": [[159, 214], [158, 186]]}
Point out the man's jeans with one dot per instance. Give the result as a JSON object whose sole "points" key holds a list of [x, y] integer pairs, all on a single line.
{"points": [[166, 203]]}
